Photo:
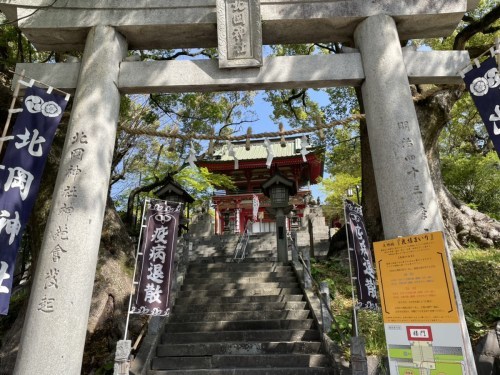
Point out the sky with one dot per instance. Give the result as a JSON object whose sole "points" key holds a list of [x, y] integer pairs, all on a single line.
{"points": [[264, 110]]}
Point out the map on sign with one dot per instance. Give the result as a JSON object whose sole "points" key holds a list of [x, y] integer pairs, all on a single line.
{"points": [[421, 320]]}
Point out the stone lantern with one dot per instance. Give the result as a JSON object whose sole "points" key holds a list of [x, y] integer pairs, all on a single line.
{"points": [[279, 189]]}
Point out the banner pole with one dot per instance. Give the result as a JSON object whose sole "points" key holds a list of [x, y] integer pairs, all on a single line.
{"points": [[497, 49], [9, 115], [350, 273], [146, 201]]}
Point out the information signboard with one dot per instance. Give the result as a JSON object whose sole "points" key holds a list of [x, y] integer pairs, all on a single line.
{"points": [[419, 307]]}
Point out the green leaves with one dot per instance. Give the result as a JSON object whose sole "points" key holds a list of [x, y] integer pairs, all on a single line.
{"points": [[335, 271], [200, 182], [336, 188], [478, 272], [474, 179]]}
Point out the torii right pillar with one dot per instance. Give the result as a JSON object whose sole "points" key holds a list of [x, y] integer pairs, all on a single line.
{"points": [[408, 202]]}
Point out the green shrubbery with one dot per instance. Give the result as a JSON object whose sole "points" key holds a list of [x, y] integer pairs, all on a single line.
{"points": [[478, 275]]}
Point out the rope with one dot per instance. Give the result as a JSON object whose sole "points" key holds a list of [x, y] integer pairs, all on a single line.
{"points": [[189, 136], [22, 76]]}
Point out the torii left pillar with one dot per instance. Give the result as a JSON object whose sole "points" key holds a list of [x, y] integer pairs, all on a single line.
{"points": [[54, 332]]}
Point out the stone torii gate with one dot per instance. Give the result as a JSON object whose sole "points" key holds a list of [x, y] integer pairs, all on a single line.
{"points": [[54, 331]]}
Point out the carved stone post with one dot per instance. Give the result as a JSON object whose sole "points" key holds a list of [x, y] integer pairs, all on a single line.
{"points": [[408, 203], [281, 240], [307, 278], [359, 363], [295, 254], [325, 302], [56, 322]]}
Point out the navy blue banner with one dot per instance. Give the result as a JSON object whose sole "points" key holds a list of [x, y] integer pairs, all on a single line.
{"points": [[483, 84], [159, 241], [359, 251], [20, 175]]}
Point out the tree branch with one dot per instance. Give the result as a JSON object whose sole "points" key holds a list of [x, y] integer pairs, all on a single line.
{"points": [[142, 189], [169, 111], [476, 27], [298, 95], [29, 15]]}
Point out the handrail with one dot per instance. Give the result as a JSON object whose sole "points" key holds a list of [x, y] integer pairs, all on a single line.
{"points": [[316, 292], [241, 245]]}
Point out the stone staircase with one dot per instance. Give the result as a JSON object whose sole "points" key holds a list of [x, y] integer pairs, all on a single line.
{"points": [[240, 318], [221, 248]]}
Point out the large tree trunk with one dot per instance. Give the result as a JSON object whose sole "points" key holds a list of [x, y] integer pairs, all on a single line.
{"points": [[463, 224], [371, 207]]}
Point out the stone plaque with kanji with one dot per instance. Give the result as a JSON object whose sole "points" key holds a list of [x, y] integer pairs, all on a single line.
{"points": [[239, 33]]}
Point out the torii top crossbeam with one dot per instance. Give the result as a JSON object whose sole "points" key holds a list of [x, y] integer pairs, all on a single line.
{"points": [[110, 28], [63, 25]]}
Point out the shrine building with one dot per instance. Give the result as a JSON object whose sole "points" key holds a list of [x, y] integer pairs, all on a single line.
{"points": [[248, 170]]}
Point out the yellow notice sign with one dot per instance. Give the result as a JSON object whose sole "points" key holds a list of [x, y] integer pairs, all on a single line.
{"points": [[414, 280]]}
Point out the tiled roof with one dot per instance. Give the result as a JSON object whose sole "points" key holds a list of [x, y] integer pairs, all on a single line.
{"points": [[258, 150]]}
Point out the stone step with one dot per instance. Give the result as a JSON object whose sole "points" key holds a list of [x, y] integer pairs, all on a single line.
{"points": [[239, 267], [239, 315], [216, 240], [268, 256], [252, 306], [225, 259], [254, 246], [195, 258], [248, 260], [239, 299], [240, 361], [243, 336], [242, 325], [213, 252], [210, 285], [243, 275], [237, 348], [249, 371], [239, 292], [221, 248]]}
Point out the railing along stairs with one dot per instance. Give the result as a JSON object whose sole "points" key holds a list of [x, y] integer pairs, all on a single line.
{"points": [[241, 245], [321, 291]]}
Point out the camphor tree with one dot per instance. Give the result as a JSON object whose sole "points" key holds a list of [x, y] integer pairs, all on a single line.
{"points": [[450, 127]]}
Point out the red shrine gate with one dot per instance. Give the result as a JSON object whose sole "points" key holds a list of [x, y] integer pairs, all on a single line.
{"points": [[234, 209]]}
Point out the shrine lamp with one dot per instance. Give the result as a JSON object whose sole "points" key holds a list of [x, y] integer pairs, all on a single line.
{"points": [[279, 189]]}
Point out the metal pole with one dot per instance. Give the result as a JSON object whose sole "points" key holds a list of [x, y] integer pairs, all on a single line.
{"points": [[497, 48], [146, 201], [350, 272], [12, 105]]}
